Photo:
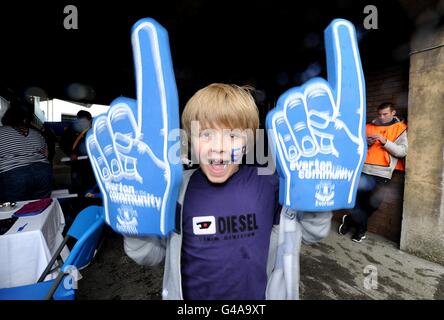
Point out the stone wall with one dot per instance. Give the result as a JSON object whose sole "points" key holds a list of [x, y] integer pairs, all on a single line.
{"points": [[423, 223]]}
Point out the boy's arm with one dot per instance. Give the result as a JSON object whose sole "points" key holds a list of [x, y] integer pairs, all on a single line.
{"points": [[147, 251], [285, 247], [315, 225]]}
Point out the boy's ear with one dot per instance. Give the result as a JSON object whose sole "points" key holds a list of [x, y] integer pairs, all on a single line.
{"points": [[187, 154], [184, 145]]}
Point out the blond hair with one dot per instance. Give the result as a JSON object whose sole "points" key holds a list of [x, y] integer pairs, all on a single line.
{"points": [[226, 105]]}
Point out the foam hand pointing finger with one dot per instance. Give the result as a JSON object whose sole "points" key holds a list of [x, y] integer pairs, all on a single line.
{"points": [[128, 147], [318, 130]]}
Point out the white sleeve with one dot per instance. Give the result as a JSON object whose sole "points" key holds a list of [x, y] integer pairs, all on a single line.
{"points": [[399, 147], [148, 251], [315, 225]]}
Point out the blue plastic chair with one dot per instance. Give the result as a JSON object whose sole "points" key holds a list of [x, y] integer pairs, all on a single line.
{"points": [[87, 230]]}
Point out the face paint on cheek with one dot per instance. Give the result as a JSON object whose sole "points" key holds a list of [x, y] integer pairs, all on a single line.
{"points": [[237, 154]]}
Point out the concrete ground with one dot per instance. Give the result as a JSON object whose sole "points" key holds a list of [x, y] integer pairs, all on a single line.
{"points": [[336, 268], [375, 269]]}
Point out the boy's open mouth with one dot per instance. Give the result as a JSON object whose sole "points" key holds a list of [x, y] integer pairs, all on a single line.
{"points": [[218, 167]]}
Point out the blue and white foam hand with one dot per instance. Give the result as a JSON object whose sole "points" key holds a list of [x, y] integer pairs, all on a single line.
{"points": [[129, 146], [318, 130]]}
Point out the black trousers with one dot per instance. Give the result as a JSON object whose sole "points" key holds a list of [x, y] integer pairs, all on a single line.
{"points": [[30, 182], [82, 177], [368, 199]]}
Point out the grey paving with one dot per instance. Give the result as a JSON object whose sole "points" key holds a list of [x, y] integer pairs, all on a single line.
{"points": [[336, 268], [375, 269]]}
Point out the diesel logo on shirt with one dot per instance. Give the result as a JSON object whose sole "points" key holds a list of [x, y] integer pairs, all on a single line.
{"points": [[235, 224], [204, 225], [230, 227]]}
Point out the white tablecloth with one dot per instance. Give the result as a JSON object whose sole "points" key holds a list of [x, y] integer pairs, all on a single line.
{"points": [[24, 255]]}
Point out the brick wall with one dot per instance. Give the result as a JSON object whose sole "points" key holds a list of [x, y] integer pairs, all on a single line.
{"points": [[387, 85]]}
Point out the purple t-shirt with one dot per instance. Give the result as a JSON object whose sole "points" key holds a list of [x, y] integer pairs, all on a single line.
{"points": [[226, 235]]}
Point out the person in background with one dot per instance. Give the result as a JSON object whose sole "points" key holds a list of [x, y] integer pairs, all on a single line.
{"points": [[73, 145], [387, 148], [72, 141], [25, 171]]}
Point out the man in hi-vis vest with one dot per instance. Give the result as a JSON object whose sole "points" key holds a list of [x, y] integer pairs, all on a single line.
{"points": [[387, 148]]}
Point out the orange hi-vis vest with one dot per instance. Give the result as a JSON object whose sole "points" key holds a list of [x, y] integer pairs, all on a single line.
{"points": [[377, 154]]}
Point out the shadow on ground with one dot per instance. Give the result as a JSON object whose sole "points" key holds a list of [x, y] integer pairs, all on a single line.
{"points": [[114, 276], [336, 268]]}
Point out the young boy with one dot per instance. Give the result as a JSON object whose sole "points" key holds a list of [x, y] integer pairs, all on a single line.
{"points": [[228, 244]]}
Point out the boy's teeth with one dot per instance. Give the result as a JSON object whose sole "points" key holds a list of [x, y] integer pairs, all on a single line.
{"points": [[218, 162]]}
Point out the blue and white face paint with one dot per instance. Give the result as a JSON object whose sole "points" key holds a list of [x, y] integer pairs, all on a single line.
{"points": [[237, 154]]}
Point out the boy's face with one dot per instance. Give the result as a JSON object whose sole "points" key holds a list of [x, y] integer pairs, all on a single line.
{"points": [[219, 151]]}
